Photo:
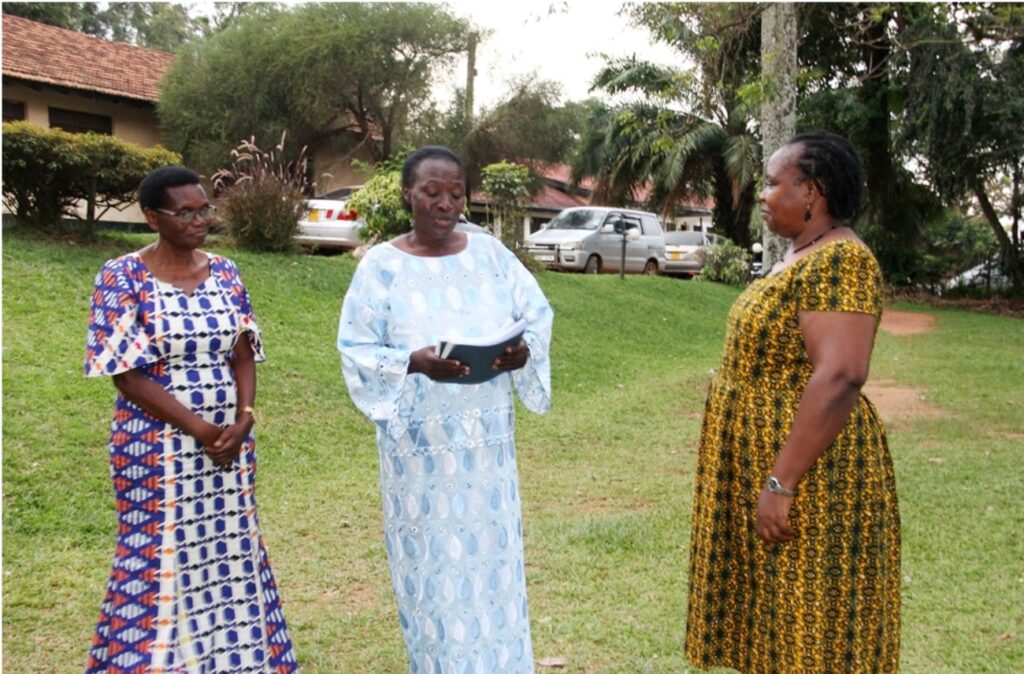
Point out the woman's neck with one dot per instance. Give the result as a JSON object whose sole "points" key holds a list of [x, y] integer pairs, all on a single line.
{"points": [[414, 244], [163, 255]]}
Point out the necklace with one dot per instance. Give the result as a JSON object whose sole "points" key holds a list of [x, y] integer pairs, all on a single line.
{"points": [[810, 243]]}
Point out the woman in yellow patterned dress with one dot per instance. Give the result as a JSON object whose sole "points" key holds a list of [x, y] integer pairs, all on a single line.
{"points": [[794, 564]]}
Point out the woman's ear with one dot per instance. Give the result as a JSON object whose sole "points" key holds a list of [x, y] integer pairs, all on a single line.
{"points": [[151, 220]]}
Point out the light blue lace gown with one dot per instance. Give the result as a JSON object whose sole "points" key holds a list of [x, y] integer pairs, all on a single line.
{"points": [[449, 483]]}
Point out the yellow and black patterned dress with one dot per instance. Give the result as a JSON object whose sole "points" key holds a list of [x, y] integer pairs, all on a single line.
{"points": [[829, 600]]}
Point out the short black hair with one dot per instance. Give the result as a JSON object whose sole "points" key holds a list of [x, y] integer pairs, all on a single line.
{"points": [[420, 156], [831, 162], [153, 188]]}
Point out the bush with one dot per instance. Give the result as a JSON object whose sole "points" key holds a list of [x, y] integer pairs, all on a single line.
{"points": [[49, 172], [262, 196], [507, 185], [379, 205], [40, 166], [725, 263], [112, 171]]}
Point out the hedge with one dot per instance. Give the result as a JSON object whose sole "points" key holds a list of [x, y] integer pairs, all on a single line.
{"points": [[47, 173]]}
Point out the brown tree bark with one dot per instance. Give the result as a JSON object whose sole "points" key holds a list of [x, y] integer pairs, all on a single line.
{"points": [[779, 41]]}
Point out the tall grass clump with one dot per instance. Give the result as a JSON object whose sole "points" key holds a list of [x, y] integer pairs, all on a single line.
{"points": [[263, 196]]}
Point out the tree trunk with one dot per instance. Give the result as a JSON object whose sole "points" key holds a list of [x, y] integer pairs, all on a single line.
{"points": [[779, 42], [90, 210], [732, 209], [1010, 258]]}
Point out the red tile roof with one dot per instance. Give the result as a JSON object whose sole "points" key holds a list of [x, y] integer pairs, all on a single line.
{"points": [[41, 53]]}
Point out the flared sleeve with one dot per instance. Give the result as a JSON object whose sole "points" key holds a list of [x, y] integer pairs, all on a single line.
{"points": [[375, 370], [533, 381], [230, 279], [843, 276], [121, 335]]}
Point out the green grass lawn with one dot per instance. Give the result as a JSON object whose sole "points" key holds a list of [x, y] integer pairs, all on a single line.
{"points": [[606, 474]]}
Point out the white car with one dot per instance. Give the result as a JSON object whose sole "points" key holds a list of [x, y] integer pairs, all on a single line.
{"points": [[329, 223], [684, 251]]}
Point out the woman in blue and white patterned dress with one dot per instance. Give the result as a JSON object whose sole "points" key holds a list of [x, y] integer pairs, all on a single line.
{"points": [[449, 483], [191, 590]]}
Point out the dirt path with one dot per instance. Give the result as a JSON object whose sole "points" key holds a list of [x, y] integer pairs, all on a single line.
{"points": [[902, 323], [897, 403]]}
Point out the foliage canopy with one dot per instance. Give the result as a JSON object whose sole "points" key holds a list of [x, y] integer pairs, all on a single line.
{"points": [[359, 70]]}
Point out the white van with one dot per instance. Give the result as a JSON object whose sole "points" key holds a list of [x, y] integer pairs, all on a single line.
{"points": [[589, 239]]}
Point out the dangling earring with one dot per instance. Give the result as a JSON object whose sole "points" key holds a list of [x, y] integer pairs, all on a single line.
{"points": [[807, 213]]}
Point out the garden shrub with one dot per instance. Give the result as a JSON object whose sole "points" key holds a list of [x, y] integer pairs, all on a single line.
{"points": [[48, 173], [111, 171], [40, 166], [725, 263], [379, 204], [262, 196]]}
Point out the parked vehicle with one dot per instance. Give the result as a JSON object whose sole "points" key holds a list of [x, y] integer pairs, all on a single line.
{"points": [[589, 239], [329, 223], [684, 251]]}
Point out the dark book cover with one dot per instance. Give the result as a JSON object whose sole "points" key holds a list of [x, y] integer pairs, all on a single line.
{"points": [[478, 354]]}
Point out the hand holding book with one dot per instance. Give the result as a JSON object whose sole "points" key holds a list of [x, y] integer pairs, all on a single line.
{"points": [[486, 357]]}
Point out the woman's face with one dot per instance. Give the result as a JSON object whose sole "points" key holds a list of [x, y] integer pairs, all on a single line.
{"points": [[437, 196], [182, 201], [786, 193]]}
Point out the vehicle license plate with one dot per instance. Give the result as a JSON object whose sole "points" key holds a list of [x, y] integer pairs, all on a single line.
{"points": [[314, 215], [674, 256], [545, 258]]}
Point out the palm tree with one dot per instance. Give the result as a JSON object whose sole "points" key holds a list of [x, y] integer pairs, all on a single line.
{"points": [[687, 133]]}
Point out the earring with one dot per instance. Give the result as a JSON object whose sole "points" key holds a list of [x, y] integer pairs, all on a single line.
{"points": [[807, 213]]}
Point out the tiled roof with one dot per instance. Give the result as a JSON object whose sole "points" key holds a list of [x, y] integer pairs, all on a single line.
{"points": [[41, 53], [547, 198], [562, 173]]}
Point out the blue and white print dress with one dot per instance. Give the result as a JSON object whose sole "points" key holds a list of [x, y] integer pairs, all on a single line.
{"points": [[449, 482], [191, 590]]}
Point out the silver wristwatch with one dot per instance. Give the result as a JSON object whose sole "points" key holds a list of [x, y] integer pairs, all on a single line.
{"points": [[775, 487]]}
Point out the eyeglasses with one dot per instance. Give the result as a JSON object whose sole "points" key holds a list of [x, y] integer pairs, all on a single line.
{"points": [[207, 212]]}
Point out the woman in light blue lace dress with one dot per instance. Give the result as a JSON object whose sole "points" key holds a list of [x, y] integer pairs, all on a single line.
{"points": [[447, 452]]}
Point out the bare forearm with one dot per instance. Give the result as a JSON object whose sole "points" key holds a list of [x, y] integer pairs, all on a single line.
{"points": [[244, 367], [154, 399], [824, 409]]}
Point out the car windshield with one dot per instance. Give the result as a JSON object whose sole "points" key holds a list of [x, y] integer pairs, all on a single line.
{"points": [[684, 238], [584, 219]]}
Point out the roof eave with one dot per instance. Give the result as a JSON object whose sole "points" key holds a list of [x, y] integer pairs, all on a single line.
{"points": [[36, 82]]}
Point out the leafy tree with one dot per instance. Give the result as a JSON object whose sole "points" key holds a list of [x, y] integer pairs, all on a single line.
{"points": [[963, 115], [691, 131], [321, 71], [930, 83], [528, 124], [158, 25], [507, 186], [849, 86], [83, 17]]}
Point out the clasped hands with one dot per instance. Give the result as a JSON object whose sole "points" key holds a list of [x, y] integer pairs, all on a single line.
{"points": [[222, 443], [425, 361]]}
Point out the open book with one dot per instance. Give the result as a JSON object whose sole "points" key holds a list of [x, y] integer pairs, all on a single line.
{"points": [[478, 353]]}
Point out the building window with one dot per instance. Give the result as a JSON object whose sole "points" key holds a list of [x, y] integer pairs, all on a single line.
{"points": [[13, 111], [80, 122]]}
